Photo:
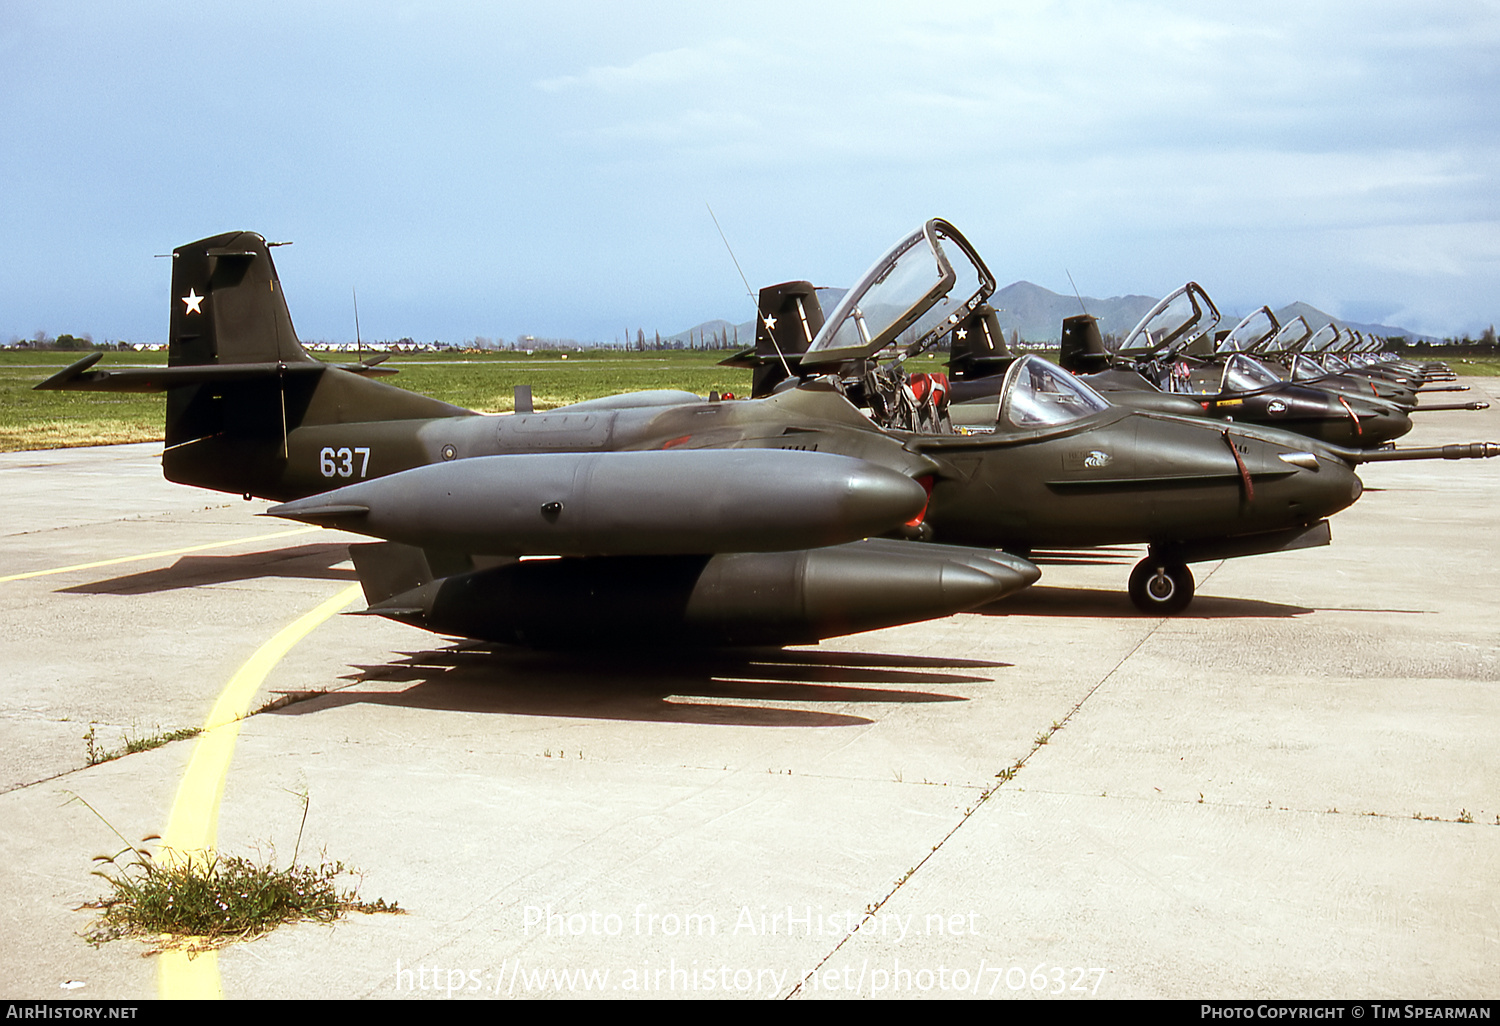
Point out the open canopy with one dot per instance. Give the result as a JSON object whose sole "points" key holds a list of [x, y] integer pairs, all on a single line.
{"points": [[919, 291], [1326, 338], [1250, 333], [1173, 324], [1292, 336]]}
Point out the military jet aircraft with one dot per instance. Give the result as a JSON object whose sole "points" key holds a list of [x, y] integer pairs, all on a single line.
{"points": [[1174, 357], [1041, 460], [784, 519], [664, 536]]}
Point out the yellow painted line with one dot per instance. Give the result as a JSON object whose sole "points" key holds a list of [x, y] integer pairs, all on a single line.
{"points": [[194, 824], [188, 976], [158, 555]]}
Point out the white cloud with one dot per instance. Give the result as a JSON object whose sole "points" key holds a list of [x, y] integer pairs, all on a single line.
{"points": [[1346, 148], [1466, 250], [660, 70]]}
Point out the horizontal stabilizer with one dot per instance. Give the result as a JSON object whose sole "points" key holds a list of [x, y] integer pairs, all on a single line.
{"points": [[79, 378]]}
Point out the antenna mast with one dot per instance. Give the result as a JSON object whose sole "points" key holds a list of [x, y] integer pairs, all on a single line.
{"points": [[759, 314], [1075, 291]]}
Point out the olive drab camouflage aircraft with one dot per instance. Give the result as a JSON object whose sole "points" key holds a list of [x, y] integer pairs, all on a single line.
{"points": [[1174, 359], [842, 501], [1031, 457], [678, 520]]}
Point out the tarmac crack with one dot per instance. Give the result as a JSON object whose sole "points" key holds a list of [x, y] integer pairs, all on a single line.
{"points": [[1464, 816], [1003, 777]]}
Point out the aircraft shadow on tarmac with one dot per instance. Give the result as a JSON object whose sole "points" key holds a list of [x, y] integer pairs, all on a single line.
{"points": [[1041, 600], [310, 562], [681, 687]]}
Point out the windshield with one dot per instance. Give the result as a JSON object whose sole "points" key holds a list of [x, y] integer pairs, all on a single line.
{"points": [[1246, 374], [1334, 365], [1304, 368], [927, 283], [1042, 394]]}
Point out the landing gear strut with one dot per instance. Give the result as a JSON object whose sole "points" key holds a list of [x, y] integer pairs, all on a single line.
{"points": [[1161, 587]]}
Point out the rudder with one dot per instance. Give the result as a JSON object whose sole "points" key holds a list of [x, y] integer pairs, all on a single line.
{"points": [[227, 305]]}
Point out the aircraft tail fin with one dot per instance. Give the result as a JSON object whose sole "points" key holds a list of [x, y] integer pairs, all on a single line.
{"points": [[976, 346], [227, 305], [788, 317], [1082, 349]]}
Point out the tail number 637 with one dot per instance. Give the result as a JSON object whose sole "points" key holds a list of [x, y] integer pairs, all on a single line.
{"points": [[342, 462]]}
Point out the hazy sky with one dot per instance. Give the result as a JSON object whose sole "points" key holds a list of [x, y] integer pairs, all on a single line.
{"points": [[498, 169]]}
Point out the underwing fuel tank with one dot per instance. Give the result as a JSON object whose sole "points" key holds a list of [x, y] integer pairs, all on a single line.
{"points": [[744, 598], [659, 502]]}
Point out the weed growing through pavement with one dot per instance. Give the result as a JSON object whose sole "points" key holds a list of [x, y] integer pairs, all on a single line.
{"points": [[215, 899], [97, 753]]}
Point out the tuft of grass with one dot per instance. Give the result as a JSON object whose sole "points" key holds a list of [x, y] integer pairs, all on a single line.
{"points": [[97, 753], [215, 899], [145, 744]]}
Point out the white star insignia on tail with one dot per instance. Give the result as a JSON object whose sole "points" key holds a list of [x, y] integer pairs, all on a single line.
{"points": [[194, 302]]}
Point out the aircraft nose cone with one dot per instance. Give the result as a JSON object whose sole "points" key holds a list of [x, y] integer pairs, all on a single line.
{"points": [[1332, 487], [1385, 426], [1379, 422]]}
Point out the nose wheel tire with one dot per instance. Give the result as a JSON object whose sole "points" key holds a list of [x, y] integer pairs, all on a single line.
{"points": [[1160, 588]]}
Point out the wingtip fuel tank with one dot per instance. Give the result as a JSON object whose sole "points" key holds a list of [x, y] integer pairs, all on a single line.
{"points": [[655, 502], [741, 598]]}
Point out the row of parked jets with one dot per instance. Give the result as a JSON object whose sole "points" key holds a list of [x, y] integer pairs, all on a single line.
{"points": [[845, 493]]}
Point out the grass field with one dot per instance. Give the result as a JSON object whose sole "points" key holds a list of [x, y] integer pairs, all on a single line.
{"points": [[51, 420]]}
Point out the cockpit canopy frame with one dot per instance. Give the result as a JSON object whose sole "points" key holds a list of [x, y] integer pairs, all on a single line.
{"points": [[1039, 395], [1173, 324], [1250, 333], [905, 302]]}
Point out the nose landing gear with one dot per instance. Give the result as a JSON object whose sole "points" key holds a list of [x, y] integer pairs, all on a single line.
{"points": [[1161, 587]]}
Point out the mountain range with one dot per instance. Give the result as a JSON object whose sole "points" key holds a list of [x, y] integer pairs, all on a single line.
{"points": [[1037, 314]]}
